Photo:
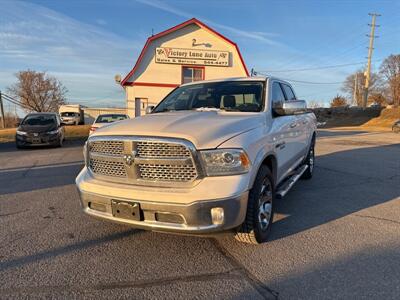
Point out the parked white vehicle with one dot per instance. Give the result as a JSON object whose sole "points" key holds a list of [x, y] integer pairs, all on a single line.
{"points": [[105, 119], [212, 156], [71, 114]]}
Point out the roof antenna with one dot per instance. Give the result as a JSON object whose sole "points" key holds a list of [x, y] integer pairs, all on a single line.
{"points": [[152, 31]]}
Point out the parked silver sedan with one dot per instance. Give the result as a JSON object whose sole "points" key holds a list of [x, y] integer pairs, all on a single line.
{"points": [[105, 119]]}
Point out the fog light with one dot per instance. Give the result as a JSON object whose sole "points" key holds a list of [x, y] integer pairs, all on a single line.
{"points": [[217, 215]]}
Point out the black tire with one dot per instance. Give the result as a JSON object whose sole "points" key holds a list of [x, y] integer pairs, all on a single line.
{"points": [[310, 162], [18, 146], [254, 230], [60, 142]]}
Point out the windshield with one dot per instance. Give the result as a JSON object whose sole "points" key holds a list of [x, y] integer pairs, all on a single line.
{"points": [[228, 96], [39, 120], [110, 118], [69, 114]]}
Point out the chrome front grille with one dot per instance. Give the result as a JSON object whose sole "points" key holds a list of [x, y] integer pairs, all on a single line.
{"points": [[175, 173], [107, 147], [157, 149], [107, 168], [143, 161]]}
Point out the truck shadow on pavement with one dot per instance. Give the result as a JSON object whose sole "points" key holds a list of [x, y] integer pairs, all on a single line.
{"points": [[33, 176], [344, 182], [27, 179], [337, 133], [51, 253]]}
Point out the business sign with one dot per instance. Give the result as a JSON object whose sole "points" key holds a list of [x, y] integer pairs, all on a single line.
{"points": [[192, 57]]}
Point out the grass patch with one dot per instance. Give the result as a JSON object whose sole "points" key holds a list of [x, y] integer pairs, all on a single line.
{"points": [[80, 131], [386, 119]]}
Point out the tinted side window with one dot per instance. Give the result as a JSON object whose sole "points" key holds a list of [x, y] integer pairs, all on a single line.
{"points": [[277, 93], [289, 93]]}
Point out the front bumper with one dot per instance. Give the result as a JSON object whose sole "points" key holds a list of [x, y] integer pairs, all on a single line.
{"points": [[41, 140], [70, 121], [168, 216]]}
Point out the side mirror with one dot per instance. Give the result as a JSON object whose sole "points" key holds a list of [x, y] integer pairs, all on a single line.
{"points": [[292, 107], [149, 109], [17, 124]]}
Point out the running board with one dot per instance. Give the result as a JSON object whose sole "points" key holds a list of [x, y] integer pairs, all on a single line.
{"points": [[288, 184]]}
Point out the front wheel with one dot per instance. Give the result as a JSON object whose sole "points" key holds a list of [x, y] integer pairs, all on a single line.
{"points": [[310, 162], [60, 142], [260, 211]]}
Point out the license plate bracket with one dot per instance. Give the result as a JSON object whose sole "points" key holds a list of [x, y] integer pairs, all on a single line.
{"points": [[36, 140], [126, 210]]}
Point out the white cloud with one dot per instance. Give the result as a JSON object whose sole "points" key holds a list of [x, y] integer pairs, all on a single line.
{"points": [[263, 37], [35, 37], [101, 22]]}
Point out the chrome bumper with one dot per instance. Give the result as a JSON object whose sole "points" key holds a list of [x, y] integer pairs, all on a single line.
{"points": [[193, 218]]}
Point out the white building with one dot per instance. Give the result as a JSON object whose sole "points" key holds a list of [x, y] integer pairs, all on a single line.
{"points": [[188, 52]]}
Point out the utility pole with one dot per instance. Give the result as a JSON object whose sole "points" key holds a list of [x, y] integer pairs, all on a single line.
{"points": [[3, 121], [355, 89], [370, 50]]}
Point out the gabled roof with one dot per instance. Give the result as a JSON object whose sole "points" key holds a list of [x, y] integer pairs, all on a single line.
{"points": [[175, 28]]}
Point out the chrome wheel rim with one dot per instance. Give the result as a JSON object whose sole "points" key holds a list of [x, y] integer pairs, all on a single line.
{"points": [[311, 160], [265, 205]]}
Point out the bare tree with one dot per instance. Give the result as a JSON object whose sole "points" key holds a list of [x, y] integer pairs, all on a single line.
{"points": [[38, 91], [353, 87], [338, 101], [390, 70], [313, 104]]}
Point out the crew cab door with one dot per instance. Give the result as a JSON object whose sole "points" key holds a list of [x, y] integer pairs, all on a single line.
{"points": [[301, 130], [284, 134]]}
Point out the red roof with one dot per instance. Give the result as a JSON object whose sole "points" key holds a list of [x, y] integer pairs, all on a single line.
{"points": [[177, 27]]}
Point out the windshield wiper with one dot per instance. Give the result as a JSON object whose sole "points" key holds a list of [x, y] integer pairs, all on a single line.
{"points": [[230, 109], [206, 108]]}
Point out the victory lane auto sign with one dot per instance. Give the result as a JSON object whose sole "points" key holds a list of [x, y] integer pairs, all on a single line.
{"points": [[192, 57]]}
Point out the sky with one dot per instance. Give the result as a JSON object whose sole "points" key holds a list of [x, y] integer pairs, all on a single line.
{"points": [[84, 43]]}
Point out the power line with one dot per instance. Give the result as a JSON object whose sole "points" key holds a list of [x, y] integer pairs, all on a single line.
{"points": [[311, 82], [317, 68], [299, 81], [14, 101]]}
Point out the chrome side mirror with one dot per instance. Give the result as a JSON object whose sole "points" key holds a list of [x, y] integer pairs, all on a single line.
{"points": [[149, 109], [292, 107]]}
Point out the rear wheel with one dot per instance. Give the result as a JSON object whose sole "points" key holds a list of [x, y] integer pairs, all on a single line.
{"points": [[260, 211]]}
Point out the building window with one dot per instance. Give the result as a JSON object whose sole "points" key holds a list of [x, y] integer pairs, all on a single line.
{"points": [[190, 74]]}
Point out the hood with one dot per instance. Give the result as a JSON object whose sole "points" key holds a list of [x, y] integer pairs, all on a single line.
{"points": [[37, 128], [205, 129]]}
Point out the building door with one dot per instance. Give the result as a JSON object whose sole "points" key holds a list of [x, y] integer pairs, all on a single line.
{"points": [[138, 107]]}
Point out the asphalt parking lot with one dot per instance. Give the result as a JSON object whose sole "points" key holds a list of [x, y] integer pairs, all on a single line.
{"points": [[336, 236]]}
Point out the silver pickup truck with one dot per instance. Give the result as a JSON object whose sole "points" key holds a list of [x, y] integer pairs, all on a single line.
{"points": [[212, 157]]}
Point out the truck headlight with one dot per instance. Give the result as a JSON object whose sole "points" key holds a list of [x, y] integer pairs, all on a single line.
{"points": [[19, 132], [221, 162], [85, 154]]}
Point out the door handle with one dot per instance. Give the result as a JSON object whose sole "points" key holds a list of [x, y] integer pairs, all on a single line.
{"points": [[293, 125], [280, 145]]}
